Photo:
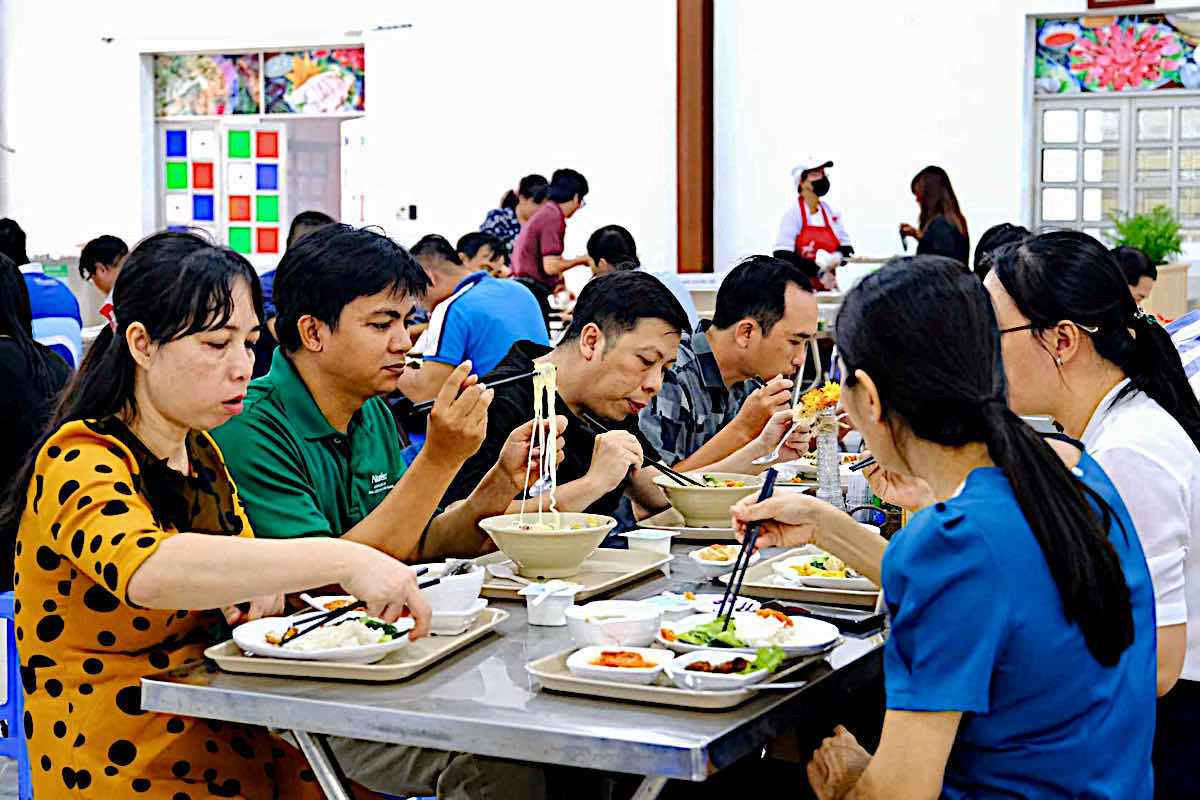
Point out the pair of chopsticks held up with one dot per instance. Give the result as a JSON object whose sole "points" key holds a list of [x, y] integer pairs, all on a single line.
{"points": [[741, 564]]}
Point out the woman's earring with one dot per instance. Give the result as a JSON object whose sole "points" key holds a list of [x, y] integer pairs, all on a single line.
{"points": [[1059, 360]]}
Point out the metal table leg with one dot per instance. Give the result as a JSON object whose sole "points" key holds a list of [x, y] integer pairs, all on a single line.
{"points": [[324, 765], [650, 788]]}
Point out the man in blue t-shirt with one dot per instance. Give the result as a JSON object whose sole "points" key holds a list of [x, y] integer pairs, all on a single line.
{"points": [[473, 316], [57, 323]]}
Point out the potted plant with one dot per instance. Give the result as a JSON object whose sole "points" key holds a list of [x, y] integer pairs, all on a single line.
{"points": [[1157, 235]]}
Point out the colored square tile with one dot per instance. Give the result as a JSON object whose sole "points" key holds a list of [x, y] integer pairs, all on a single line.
{"points": [[268, 240], [267, 177], [176, 144], [266, 144], [240, 240], [239, 208], [177, 209], [202, 207], [202, 175], [238, 144], [266, 208], [204, 144], [240, 178], [177, 175]]}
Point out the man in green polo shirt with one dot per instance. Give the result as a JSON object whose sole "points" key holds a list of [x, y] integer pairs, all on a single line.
{"points": [[315, 453]]}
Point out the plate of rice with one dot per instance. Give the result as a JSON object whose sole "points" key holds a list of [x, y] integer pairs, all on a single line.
{"points": [[352, 639]]}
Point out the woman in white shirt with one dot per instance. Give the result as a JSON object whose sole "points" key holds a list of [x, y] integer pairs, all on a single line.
{"points": [[811, 228], [1077, 348]]}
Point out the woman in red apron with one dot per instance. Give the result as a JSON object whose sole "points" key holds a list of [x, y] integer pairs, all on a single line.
{"points": [[811, 229]]}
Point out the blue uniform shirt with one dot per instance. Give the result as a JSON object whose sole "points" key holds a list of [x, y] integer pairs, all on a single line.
{"points": [[481, 321], [978, 627], [56, 320]]}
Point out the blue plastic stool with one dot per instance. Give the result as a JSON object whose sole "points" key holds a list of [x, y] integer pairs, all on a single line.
{"points": [[12, 712]]}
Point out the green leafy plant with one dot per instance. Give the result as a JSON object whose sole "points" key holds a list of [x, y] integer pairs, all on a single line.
{"points": [[1156, 234]]}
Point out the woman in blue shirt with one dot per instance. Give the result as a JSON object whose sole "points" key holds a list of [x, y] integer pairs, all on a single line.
{"points": [[1021, 659]]}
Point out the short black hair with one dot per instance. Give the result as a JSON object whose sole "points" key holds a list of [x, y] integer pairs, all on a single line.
{"points": [[566, 184], [617, 301], [1135, 264], [756, 288], [12, 242], [432, 244], [614, 244], [307, 219], [103, 250], [469, 244], [331, 267], [992, 240]]}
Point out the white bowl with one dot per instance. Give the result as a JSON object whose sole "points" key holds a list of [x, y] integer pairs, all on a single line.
{"points": [[251, 637], [452, 623], [621, 623], [707, 506], [458, 593], [818, 636], [549, 554], [651, 539], [714, 569], [709, 681], [581, 666], [549, 611]]}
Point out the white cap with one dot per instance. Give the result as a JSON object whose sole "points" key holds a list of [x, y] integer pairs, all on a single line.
{"points": [[807, 164]]}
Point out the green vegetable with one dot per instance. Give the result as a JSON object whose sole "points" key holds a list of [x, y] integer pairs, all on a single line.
{"points": [[727, 639], [705, 634], [768, 658], [389, 631]]}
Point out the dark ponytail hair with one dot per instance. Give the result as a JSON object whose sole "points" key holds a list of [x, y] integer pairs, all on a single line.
{"points": [[613, 243], [1067, 275], [16, 322], [175, 284], [953, 394], [509, 200], [533, 187]]}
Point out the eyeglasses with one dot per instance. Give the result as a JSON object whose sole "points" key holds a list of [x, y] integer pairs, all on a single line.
{"points": [[1016, 329], [1031, 326]]}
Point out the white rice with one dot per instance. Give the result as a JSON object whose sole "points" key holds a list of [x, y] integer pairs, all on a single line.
{"points": [[349, 634]]}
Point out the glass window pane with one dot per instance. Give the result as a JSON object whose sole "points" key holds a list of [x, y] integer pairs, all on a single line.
{"points": [[1058, 205], [1189, 202], [1060, 126], [1154, 124], [1189, 163], [1189, 123], [1153, 165], [1102, 125], [1059, 166], [1150, 199], [1099, 204], [1101, 165]]}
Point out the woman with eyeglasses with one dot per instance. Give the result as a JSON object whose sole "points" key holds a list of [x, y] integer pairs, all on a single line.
{"points": [[1020, 661], [1076, 348]]}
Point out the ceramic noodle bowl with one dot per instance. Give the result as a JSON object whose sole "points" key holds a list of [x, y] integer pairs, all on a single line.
{"points": [[556, 553], [707, 507]]}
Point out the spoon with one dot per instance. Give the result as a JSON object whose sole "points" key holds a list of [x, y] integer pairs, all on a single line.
{"points": [[550, 588], [505, 571], [773, 456]]}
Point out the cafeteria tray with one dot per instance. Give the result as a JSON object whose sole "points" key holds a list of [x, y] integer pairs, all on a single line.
{"points": [[552, 673], [762, 582], [671, 520], [602, 571], [399, 665]]}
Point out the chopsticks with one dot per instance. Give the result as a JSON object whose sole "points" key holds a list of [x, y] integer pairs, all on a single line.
{"points": [[320, 620], [419, 408], [742, 563], [597, 427], [858, 466]]}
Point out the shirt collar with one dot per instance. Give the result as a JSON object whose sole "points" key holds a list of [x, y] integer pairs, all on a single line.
{"points": [[471, 280], [710, 371], [1096, 423], [303, 413], [32, 268]]}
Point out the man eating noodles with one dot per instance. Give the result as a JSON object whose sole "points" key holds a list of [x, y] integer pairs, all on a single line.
{"points": [[316, 453]]}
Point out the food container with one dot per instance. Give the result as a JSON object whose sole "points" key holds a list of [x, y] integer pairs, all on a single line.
{"points": [[707, 506], [547, 603], [456, 594], [614, 623], [453, 623], [581, 666], [555, 553], [652, 539], [673, 606], [714, 569], [712, 681]]}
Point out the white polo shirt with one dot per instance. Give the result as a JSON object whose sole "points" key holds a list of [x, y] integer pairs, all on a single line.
{"points": [[1156, 468]]}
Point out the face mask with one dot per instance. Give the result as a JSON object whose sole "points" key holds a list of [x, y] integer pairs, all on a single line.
{"points": [[820, 187]]}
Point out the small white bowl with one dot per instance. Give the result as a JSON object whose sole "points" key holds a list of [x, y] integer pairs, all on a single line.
{"points": [[552, 610], [456, 594], [673, 606], [709, 681], [614, 623], [651, 539], [581, 666], [452, 623], [714, 569]]}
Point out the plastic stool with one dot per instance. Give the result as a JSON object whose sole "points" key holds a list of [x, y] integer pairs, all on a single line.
{"points": [[12, 712]]}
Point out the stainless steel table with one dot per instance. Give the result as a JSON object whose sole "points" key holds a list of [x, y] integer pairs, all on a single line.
{"points": [[482, 701]]}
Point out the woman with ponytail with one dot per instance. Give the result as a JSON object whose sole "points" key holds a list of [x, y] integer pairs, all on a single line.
{"points": [[1021, 656], [132, 542], [516, 208], [1077, 349]]}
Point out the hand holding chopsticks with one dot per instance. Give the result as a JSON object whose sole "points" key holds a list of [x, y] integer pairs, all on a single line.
{"points": [[597, 427], [428, 404], [742, 563]]}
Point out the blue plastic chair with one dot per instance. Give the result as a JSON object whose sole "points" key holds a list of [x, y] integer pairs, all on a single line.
{"points": [[12, 712]]}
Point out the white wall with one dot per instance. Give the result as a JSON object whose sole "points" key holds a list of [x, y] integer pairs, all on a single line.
{"points": [[882, 89], [489, 91]]}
